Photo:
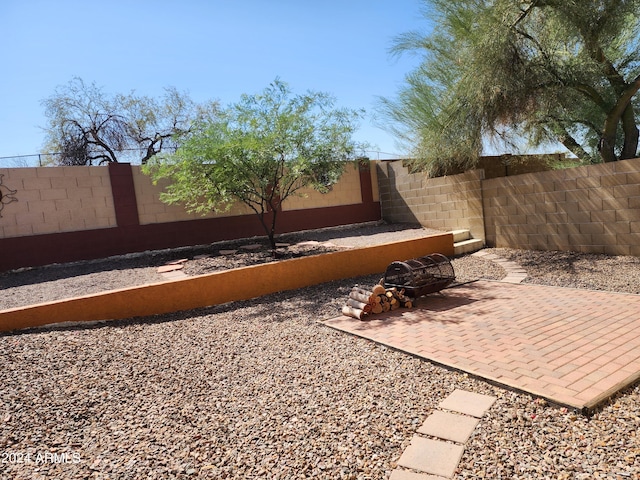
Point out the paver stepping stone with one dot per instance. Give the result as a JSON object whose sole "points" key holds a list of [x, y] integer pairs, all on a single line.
{"points": [[449, 426], [438, 456], [398, 474], [170, 268], [515, 273], [228, 252], [432, 456], [514, 277], [469, 403], [251, 247], [177, 262], [308, 243]]}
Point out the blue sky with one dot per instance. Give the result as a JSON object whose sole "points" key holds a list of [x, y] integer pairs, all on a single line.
{"points": [[213, 50]]}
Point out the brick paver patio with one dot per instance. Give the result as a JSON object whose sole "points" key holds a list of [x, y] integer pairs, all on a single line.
{"points": [[573, 347]]}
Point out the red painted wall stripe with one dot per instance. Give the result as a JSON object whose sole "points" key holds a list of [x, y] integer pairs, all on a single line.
{"points": [[90, 244], [366, 188], [124, 194], [129, 236]]}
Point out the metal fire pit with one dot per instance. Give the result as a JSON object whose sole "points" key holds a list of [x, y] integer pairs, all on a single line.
{"points": [[420, 276]]}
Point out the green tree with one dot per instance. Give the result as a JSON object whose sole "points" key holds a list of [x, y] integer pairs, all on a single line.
{"points": [[260, 151], [562, 71], [86, 126]]}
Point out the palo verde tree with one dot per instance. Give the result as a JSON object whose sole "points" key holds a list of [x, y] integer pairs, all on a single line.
{"points": [[260, 151], [86, 126], [564, 71]]}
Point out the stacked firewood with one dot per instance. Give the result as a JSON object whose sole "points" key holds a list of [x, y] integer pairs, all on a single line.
{"points": [[362, 302]]}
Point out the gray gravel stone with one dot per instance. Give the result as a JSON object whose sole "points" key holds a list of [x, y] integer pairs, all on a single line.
{"points": [[259, 389]]}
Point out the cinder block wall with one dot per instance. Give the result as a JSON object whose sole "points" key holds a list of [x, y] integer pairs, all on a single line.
{"points": [[508, 165], [64, 214], [52, 200], [446, 203], [152, 210], [588, 209], [345, 192], [71, 199]]}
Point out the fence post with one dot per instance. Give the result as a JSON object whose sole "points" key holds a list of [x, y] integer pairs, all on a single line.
{"points": [[366, 189], [124, 194]]}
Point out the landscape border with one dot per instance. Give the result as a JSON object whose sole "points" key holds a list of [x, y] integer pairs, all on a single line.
{"points": [[225, 286]]}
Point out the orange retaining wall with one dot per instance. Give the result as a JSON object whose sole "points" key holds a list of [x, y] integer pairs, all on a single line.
{"points": [[225, 286]]}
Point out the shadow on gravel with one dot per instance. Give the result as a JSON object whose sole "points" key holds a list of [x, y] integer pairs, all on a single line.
{"points": [[58, 272], [317, 302]]}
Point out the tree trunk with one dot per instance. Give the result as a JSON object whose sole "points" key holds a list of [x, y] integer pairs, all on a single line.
{"points": [[621, 112], [630, 147], [272, 231], [606, 150], [607, 143], [574, 147], [269, 230], [269, 226]]}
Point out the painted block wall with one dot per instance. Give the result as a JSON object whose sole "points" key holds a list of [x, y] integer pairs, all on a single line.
{"points": [[69, 199], [51, 200], [65, 214], [152, 210], [345, 192]]}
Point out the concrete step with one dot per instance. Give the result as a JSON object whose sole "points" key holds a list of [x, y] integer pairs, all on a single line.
{"points": [[460, 235], [467, 246]]}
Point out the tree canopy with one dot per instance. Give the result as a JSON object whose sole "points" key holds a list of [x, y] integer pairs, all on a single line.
{"points": [[564, 71], [86, 126], [260, 151]]}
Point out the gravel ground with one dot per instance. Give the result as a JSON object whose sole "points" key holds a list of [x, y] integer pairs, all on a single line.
{"points": [[259, 389], [577, 270]]}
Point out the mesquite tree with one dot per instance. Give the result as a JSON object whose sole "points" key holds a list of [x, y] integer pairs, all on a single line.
{"points": [[87, 126], [260, 151]]}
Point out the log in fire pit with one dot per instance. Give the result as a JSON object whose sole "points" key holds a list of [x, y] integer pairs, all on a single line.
{"points": [[420, 276]]}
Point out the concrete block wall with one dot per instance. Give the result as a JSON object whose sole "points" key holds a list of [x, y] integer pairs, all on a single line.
{"points": [[593, 209], [346, 192], [52, 200], [152, 210], [68, 199], [446, 203], [508, 165], [64, 214]]}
